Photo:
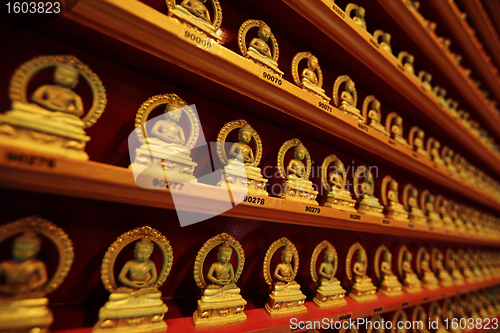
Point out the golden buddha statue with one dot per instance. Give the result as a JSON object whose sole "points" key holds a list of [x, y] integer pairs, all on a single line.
{"points": [[367, 202], [372, 114], [362, 288], [410, 280], [474, 266], [390, 199], [166, 149], [221, 302], [359, 14], [416, 140], [433, 147], [24, 280], [447, 157], [348, 98], [406, 60], [426, 79], [384, 40], [394, 125], [329, 292], [195, 14], [443, 207], [241, 171], [427, 276], [435, 316], [338, 196], [452, 107], [389, 284], [420, 320], [138, 298], [440, 94], [452, 267], [410, 203], [285, 297], [55, 120], [311, 79], [259, 50], [427, 203], [441, 272], [296, 183]]}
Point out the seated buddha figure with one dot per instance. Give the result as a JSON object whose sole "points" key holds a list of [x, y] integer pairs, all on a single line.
{"points": [[326, 271], [195, 13], [397, 131], [296, 168], [138, 277], [394, 208], [310, 79], [433, 218], [259, 50], [241, 152], [24, 274], [284, 273], [427, 275], [385, 43], [443, 275], [448, 160], [221, 274], [411, 282], [362, 283], [418, 143], [458, 278], [426, 79], [359, 17], [347, 100], [434, 152], [389, 284], [374, 116], [416, 214]]}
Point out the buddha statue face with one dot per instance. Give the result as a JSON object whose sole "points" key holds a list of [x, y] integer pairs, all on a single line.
{"points": [[408, 256], [26, 247], [264, 32], [350, 87], [361, 257], [410, 59], [387, 256], [398, 121], [386, 38], [225, 253], [286, 256], [299, 152], [66, 76], [420, 134], [245, 135], [143, 250], [360, 12], [393, 186], [328, 255], [312, 63]]}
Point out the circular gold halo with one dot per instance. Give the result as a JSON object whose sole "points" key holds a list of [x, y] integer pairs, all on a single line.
{"points": [[383, 189], [23, 75], [376, 264], [55, 234], [152, 103], [399, 315], [314, 259], [406, 195], [209, 246], [401, 255], [423, 199], [224, 132], [420, 254], [108, 262], [281, 157], [388, 121], [416, 315], [242, 33], [282, 242]]}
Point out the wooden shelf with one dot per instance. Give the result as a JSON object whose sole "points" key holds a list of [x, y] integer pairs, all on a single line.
{"points": [[92, 180], [342, 30], [156, 34], [462, 32], [476, 13], [259, 320], [412, 22]]}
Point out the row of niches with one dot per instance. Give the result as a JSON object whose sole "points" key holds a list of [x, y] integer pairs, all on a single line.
{"points": [[264, 51], [472, 311], [135, 290], [54, 123]]}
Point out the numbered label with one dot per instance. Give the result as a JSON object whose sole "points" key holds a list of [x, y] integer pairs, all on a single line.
{"points": [[198, 40], [31, 160], [386, 222], [355, 217], [169, 185], [325, 107], [363, 127], [254, 200], [272, 78], [338, 11], [311, 209]]}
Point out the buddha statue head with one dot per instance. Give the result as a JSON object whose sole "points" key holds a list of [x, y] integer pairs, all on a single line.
{"points": [[66, 76]]}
